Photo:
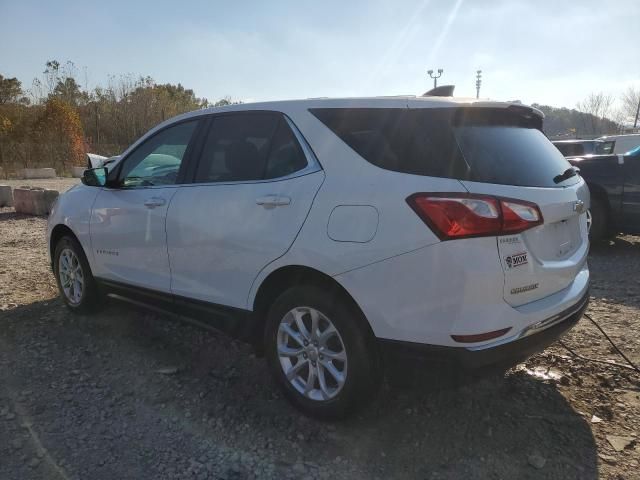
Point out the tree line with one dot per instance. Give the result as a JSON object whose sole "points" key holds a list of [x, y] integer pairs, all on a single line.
{"points": [[593, 116], [57, 120]]}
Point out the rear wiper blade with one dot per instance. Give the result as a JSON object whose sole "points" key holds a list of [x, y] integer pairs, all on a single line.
{"points": [[568, 173]]}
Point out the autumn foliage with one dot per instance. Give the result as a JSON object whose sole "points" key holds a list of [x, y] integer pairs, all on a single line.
{"points": [[60, 123], [56, 121]]}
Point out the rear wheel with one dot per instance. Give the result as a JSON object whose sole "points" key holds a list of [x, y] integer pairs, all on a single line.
{"points": [[76, 284], [598, 219], [320, 352]]}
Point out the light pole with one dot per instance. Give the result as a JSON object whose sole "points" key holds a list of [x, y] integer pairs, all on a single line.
{"points": [[478, 82], [435, 77]]}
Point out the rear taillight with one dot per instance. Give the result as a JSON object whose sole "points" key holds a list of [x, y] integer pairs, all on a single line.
{"points": [[459, 215]]}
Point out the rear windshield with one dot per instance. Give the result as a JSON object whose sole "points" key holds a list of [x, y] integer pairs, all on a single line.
{"points": [[475, 144]]}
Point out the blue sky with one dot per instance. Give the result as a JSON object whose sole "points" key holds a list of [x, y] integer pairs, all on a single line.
{"points": [[553, 52]]}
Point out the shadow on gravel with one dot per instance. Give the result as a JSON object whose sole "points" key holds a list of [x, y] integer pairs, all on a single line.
{"points": [[143, 396], [617, 259], [10, 214]]}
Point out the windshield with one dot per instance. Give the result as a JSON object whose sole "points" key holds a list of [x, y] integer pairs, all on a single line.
{"points": [[634, 152]]}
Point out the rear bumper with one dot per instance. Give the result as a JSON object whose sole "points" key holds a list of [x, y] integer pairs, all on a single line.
{"points": [[503, 354]]}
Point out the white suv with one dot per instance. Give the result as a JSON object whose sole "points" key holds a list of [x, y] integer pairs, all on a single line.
{"points": [[334, 232]]}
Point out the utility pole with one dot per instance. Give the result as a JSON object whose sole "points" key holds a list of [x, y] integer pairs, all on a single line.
{"points": [[435, 77], [478, 82], [635, 122]]}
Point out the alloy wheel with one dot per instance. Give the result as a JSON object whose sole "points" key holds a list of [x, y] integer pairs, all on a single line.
{"points": [[71, 276], [312, 353]]}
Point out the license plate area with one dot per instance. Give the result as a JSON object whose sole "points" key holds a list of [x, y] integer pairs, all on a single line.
{"points": [[561, 231]]}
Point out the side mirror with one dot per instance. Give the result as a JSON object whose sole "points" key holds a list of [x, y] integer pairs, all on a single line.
{"points": [[95, 177]]}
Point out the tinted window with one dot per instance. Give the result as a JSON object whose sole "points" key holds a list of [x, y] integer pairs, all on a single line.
{"points": [[285, 155], [570, 149], [483, 145], [246, 147], [157, 160], [604, 148]]}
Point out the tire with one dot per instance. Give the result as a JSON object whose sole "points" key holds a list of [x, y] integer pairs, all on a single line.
{"points": [[599, 221], [79, 300], [353, 341]]}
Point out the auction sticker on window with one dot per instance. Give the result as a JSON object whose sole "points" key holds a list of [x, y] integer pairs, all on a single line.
{"points": [[516, 260]]}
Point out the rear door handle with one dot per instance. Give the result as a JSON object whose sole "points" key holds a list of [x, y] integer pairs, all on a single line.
{"points": [[271, 201], [154, 202]]}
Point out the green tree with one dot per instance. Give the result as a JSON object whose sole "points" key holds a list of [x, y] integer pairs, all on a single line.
{"points": [[68, 90], [10, 91]]}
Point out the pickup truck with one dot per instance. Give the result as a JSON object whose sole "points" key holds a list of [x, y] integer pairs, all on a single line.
{"points": [[614, 183]]}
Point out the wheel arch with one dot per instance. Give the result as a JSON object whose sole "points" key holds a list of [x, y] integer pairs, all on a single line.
{"points": [[288, 276], [57, 233]]}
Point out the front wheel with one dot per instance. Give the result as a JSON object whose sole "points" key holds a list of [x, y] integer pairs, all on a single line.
{"points": [[76, 284], [320, 352]]}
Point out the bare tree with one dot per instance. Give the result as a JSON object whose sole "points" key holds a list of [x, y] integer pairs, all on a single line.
{"points": [[630, 100], [598, 107]]}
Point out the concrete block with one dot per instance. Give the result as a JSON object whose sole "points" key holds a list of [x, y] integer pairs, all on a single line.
{"points": [[6, 196], [31, 173], [77, 172], [34, 200]]}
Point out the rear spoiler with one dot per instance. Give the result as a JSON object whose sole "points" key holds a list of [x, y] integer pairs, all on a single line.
{"points": [[441, 91]]}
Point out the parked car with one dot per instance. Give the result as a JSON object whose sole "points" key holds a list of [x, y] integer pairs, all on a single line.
{"points": [[336, 234], [614, 182], [577, 148], [622, 143]]}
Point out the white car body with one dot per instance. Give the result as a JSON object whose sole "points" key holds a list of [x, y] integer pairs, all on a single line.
{"points": [[623, 143], [348, 220]]}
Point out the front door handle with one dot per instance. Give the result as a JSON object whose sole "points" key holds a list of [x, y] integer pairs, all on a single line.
{"points": [[154, 202], [271, 201]]}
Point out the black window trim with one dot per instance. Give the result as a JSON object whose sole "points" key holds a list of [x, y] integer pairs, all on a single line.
{"points": [[313, 165], [114, 177]]}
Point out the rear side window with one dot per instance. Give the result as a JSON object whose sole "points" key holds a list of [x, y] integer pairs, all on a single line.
{"points": [[475, 144], [249, 146], [285, 155], [570, 149]]}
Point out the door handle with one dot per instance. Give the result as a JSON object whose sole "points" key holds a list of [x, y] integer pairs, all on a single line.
{"points": [[154, 202], [271, 201]]}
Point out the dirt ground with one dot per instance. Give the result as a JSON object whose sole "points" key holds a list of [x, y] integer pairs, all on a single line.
{"points": [[130, 394]]}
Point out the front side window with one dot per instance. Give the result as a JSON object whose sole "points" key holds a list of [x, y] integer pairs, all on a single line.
{"points": [[157, 161], [249, 147], [604, 148]]}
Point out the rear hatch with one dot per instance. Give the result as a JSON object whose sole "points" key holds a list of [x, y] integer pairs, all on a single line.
{"points": [[496, 152], [508, 157]]}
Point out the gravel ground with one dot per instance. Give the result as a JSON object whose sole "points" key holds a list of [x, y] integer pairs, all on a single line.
{"points": [[131, 394]]}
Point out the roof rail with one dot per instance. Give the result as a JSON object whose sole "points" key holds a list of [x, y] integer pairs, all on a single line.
{"points": [[441, 91]]}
